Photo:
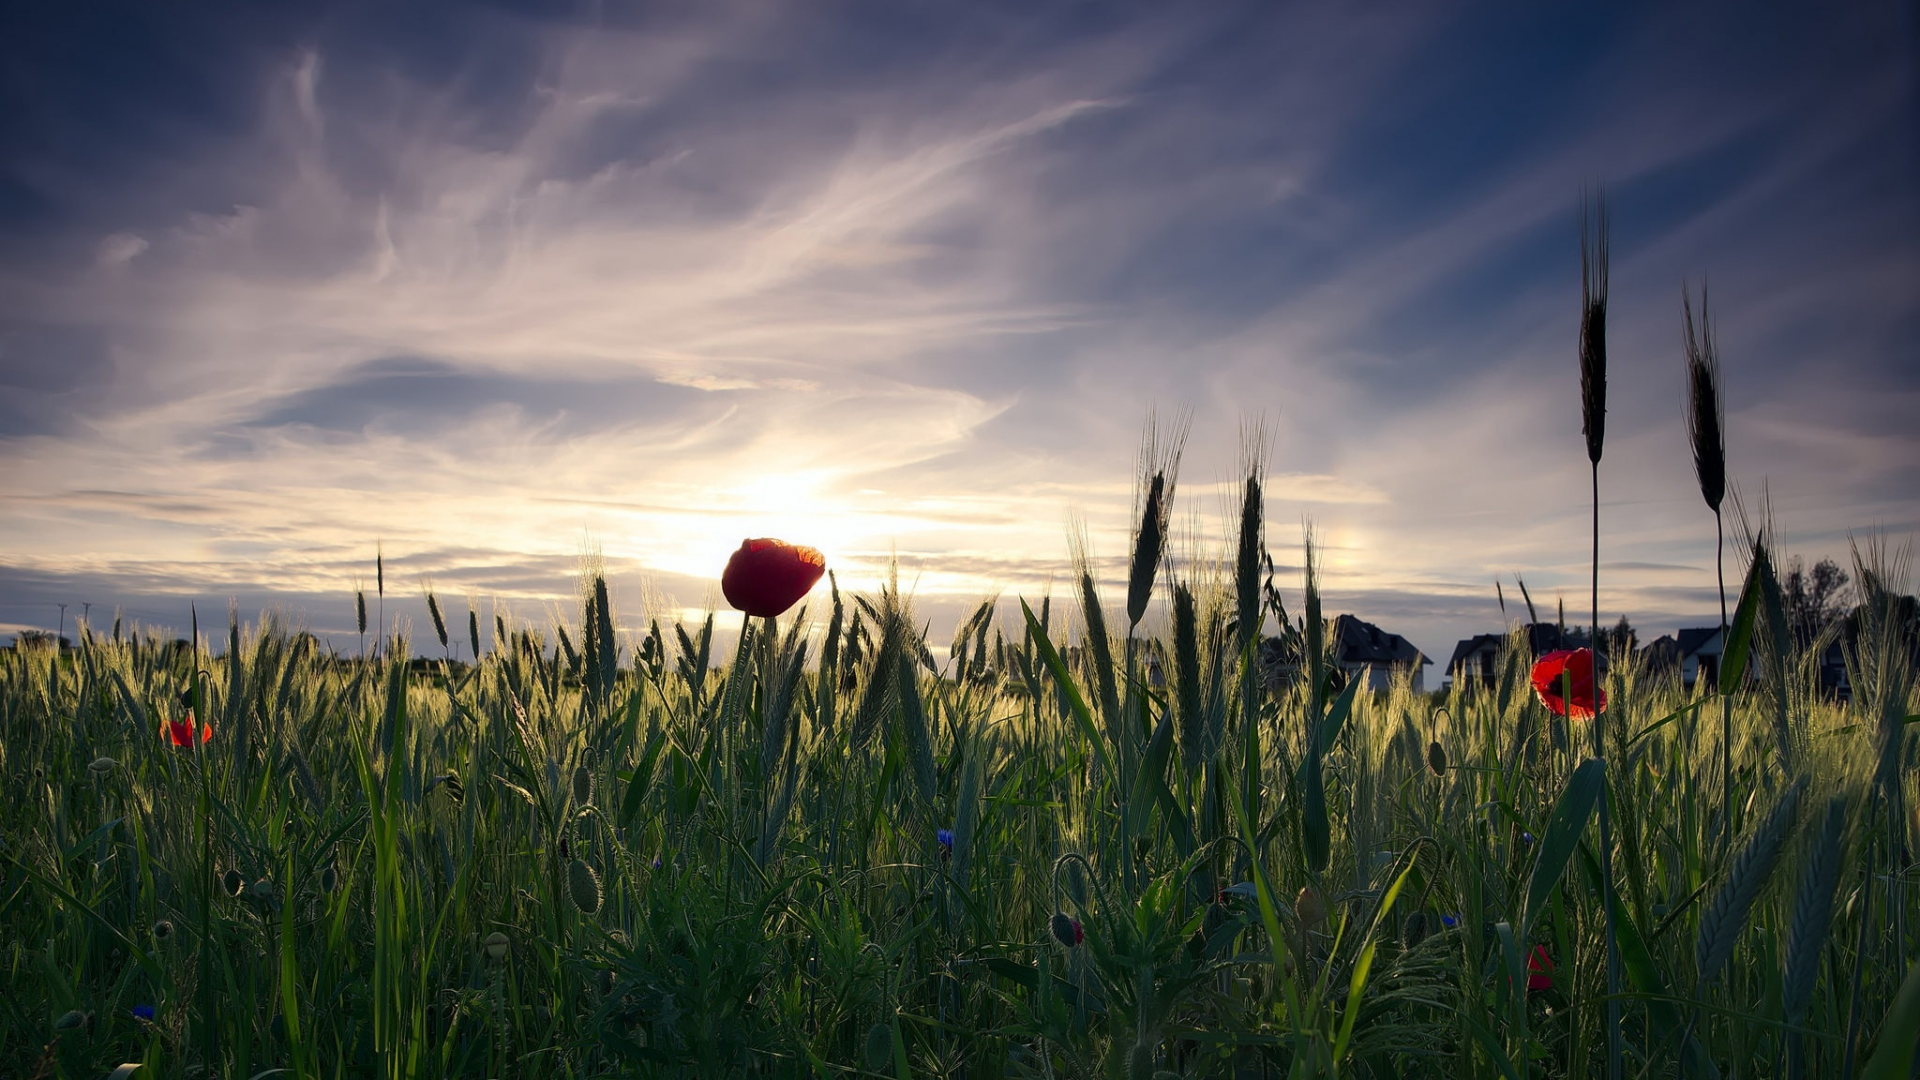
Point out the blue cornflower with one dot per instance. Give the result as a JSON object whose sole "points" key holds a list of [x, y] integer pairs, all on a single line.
{"points": [[1449, 921], [1526, 838], [945, 836], [143, 1012]]}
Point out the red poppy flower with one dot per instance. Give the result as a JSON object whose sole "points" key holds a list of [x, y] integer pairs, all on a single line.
{"points": [[181, 732], [1552, 675], [1539, 969], [766, 577]]}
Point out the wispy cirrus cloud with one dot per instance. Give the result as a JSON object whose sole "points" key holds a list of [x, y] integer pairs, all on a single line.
{"points": [[662, 281]]}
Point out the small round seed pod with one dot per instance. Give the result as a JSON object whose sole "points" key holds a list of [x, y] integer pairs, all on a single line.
{"points": [[1437, 758], [583, 886], [73, 1020], [496, 945], [1310, 907], [262, 889], [162, 930]]}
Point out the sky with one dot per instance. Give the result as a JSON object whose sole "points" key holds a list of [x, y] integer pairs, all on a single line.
{"points": [[488, 288]]}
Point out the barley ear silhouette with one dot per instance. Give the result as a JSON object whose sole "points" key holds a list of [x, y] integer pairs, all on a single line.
{"points": [[1593, 417], [1706, 429]]}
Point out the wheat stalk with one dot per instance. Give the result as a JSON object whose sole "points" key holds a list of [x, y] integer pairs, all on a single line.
{"points": [[1706, 430], [1726, 917], [1813, 912], [1593, 416], [1159, 470], [1705, 411]]}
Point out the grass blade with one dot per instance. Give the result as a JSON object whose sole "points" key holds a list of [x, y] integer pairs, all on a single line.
{"points": [[1564, 827]]}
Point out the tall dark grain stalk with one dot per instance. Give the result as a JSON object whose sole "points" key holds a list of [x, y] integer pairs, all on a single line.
{"points": [[1705, 429], [1593, 417], [380, 587], [1159, 470]]}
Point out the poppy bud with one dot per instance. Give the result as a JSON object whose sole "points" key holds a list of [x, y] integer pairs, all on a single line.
{"points": [[582, 785], [233, 882], [496, 945], [765, 577], [1066, 930], [1310, 907], [1415, 930], [583, 885], [879, 1047], [101, 766], [1215, 919], [1437, 758], [1140, 1062]]}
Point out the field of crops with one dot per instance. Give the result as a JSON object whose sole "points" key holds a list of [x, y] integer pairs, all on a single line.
{"points": [[1070, 850]]}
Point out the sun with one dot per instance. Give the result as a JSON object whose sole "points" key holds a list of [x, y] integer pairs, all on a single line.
{"points": [[800, 507]]}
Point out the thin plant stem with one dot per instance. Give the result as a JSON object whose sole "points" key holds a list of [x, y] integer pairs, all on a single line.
{"points": [[1727, 704], [1606, 825]]}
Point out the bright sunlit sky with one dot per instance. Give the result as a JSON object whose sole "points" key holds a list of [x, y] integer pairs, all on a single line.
{"points": [[490, 285]]}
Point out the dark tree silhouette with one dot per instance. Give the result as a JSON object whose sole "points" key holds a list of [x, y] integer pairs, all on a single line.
{"points": [[1815, 598]]}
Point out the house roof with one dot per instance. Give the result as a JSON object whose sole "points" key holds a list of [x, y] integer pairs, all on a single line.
{"points": [[1693, 639], [1364, 643], [1542, 638], [1468, 646]]}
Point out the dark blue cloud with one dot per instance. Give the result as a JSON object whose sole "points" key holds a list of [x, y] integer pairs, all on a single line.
{"points": [[99, 100], [430, 398]]}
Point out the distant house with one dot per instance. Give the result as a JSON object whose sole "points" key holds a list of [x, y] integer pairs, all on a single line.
{"points": [[1361, 650], [1476, 659], [1834, 680], [1694, 652]]}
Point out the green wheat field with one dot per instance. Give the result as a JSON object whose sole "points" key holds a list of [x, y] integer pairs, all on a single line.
{"points": [[1070, 850]]}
